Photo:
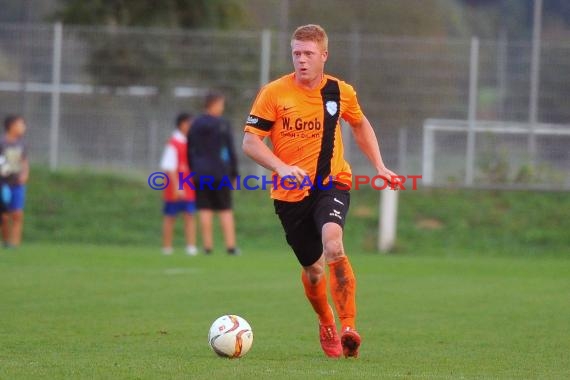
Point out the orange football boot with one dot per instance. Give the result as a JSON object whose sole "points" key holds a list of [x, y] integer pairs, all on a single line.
{"points": [[350, 341], [330, 341]]}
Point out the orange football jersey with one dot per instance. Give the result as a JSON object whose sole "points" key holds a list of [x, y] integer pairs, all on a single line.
{"points": [[303, 126]]}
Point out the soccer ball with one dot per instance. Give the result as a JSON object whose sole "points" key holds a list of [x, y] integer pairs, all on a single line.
{"points": [[230, 336]]}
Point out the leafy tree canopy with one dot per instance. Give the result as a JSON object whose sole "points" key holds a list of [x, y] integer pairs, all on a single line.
{"points": [[167, 13]]}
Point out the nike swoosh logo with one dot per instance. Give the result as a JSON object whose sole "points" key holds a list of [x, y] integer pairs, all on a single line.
{"points": [[287, 108], [337, 201]]}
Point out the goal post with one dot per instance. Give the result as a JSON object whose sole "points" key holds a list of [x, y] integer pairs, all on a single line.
{"points": [[445, 143]]}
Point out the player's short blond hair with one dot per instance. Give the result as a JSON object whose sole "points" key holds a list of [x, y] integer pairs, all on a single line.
{"points": [[311, 32]]}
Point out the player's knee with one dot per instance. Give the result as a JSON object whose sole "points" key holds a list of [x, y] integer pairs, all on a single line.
{"points": [[17, 216], [333, 250], [314, 273]]}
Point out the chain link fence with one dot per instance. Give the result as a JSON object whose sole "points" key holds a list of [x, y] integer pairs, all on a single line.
{"points": [[106, 97]]}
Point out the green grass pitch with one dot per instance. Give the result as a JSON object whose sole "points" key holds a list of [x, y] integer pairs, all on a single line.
{"points": [[478, 288], [78, 311]]}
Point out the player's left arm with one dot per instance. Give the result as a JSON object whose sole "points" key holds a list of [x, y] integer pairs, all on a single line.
{"points": [[366, 140], [364, 134]]}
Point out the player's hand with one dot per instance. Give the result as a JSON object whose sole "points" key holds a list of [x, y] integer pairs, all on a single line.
{"points": [[180, 194], [291, 171], [23, 178], [392, 178]]}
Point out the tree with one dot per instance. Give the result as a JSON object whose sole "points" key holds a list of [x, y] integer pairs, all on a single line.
{"points": [[166, 13], [119, 58]]}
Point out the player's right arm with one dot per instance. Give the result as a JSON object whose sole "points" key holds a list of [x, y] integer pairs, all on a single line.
{"points": [[254, 147], [25, 173], [259, 123]]}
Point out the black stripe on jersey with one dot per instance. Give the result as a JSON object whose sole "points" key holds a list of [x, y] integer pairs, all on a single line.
{"points": [[331, 109], [259, 123]]}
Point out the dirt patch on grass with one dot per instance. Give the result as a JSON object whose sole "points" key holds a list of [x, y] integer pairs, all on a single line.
{"points": [[429, 224], [363, 212]]}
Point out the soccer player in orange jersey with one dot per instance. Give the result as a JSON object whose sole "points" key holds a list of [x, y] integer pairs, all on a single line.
{"points": [[300, 114]]}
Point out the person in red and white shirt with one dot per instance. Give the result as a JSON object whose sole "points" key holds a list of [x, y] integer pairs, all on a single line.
{"points": [[174, 161]]}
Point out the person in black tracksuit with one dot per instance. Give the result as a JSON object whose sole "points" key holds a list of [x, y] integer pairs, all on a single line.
{"points": [[212, 157]]}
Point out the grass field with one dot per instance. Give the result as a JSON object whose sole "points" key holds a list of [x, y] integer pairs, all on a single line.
{"points": [[113, 312], [478, 287]]}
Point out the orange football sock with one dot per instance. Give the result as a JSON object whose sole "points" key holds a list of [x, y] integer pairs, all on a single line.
{"points": [[343, 291], [317, 296]]}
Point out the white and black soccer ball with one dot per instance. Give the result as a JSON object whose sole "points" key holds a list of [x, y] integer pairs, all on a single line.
{"points": [[230, 336]]}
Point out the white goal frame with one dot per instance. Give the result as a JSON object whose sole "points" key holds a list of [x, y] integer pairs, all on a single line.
{"points": [[497, 127]]}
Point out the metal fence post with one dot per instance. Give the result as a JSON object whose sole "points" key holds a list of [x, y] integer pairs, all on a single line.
{"points": [[502, 71], [264, 73], [265, 58], [283, 34], [472, 113], [355, 53], [55, 96], [402, 150], [427, 155], [152, 143], [534, 79], [355, 56]]}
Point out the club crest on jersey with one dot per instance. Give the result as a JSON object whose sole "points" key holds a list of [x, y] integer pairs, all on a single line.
{"points": [[332, 107]]}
